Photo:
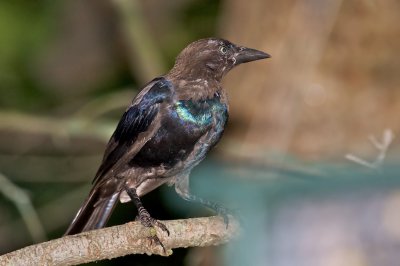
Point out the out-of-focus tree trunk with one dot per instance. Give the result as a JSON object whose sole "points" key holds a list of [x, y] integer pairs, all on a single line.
{"points": [[331, 80]]}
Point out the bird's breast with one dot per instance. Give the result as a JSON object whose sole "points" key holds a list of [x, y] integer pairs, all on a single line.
{"points": [[184, 123], [197, 114]]}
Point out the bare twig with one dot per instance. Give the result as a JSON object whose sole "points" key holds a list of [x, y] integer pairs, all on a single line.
{"points": [[24, 206], [382, 147], [116, 241]]}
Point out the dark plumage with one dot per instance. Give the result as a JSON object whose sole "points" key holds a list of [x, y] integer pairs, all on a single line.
{"points": [[166, 131]]}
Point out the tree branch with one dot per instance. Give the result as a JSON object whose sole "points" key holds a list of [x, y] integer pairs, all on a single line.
{"points": [[58, 128], [116, 241]]}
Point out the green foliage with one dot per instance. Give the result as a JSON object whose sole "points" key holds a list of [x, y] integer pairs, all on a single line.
{"points": [[24, 27]]}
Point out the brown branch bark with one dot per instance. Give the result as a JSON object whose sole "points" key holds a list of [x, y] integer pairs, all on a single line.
{"points": [[116, 241]]}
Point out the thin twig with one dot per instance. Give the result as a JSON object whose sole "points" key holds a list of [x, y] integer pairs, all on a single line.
{"points": [[24, 205], [382, 147], [59, 217], [116, 241]]}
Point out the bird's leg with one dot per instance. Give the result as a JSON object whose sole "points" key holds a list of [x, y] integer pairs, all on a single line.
{"points": [[145, 217], [182, 188]]}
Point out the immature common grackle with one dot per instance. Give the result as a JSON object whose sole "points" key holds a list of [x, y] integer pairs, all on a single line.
{"points": [[166, 131]]}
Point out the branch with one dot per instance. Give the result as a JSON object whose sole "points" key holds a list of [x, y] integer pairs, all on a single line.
{"points": [[58, 128], [116, 241]]}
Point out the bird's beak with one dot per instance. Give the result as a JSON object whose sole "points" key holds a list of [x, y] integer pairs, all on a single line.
{"points": [[244, 55]]}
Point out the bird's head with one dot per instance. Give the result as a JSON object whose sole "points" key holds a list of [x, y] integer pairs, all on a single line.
{"points": [[213, 58]]}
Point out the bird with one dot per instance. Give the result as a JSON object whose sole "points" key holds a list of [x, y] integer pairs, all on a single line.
{"points": [[168, 129]]}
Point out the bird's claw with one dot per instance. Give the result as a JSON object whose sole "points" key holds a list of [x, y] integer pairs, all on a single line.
{"points": [[154, 239], [151, 223], [162, 226]]}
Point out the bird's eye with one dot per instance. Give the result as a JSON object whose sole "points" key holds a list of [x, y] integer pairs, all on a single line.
{"points": [[223, 49]]}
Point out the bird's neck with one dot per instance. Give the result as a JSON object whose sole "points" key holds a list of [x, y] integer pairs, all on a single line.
{"points": [[196, 88], [194, 71], [196, 78]]}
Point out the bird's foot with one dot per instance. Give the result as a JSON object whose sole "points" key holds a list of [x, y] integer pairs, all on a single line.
{"points": [[148, 221], [145, 218]]}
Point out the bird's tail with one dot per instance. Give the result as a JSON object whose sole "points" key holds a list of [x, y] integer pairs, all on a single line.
{"points": [[94, 212]]}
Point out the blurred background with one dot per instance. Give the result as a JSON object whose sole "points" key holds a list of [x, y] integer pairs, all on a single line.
{"points": [[309, 160]]}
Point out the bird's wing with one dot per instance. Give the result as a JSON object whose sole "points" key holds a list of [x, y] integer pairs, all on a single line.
{"points": [[136, 127]]}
